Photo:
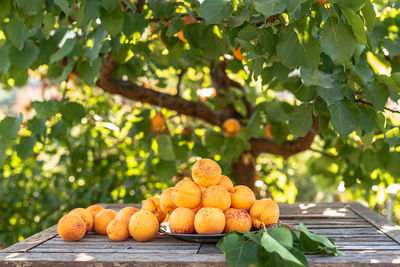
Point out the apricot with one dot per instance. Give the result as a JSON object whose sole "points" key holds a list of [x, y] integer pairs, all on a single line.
{"points": [[158, 121], [126, 213], [153, 205], [187, 194], [268, 131], [102, 219], [209, 221], [143, 226], [71, 227], [206, 172], [226, 183], [230, 127], [117, 230], [264, 211], [238, 54], [181, 221], [237, 220], [216, 196], [167, 204], [242, 197], [86, 216], [94, 209]]}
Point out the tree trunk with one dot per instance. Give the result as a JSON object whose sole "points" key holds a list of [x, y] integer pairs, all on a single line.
{"points": [[245, 169]]}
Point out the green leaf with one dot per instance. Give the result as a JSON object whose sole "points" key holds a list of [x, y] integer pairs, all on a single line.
{"points": [[112, 20], [331, 95], [25, 147], [5, 62], [293, 5], [274, 111], [317, 78], [5, 6], [46, 109], [3, 149], [392, 137], [165, 170], [238, 252], [48, 24], [72, 112], [271, 245], [37, 127], [16, 32], [389, 82], [294, 50], [353, 4], [369, 119], [345, 117], [254, 123], [337, 42], [109, 5], [30, 7], [63, 51], [89, 72], [215, 11], [67, 70], [312, 242], [175, 26], [9, 127], [370, 160], [377, 94], [283, 235], [369, 14], [165, 148], [270, 7], [26, 56], [301, 121], [98, 36], [243, 14], [64, 5], [357, 25], [161, 8]]}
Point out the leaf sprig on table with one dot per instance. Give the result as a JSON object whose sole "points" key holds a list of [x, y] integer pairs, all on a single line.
{"points": [[283, 245]]}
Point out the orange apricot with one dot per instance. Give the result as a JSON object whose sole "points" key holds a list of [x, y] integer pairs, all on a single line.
{"points": [[230, 127], [186, 20], [157, 123], [181, 221], [237, 220], [216, 196], [102, 219], [242, 197], [143, 226], [206, 172], [187, 194], [167, 204], [117, 230], [264, 211], [268, 132], [126, 213], [71, 227], [153, 205], [86, 216], [94, 209], [209, 221], [226, 183], [238, 54]]}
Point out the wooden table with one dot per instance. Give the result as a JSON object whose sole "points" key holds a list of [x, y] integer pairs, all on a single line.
{"points": [[366, 238]]}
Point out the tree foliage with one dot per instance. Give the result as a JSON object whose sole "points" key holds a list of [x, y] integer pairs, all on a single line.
{"points": [[336, 64]]}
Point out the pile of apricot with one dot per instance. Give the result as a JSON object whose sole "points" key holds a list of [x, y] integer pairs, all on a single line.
{"points": [[206, 204]]}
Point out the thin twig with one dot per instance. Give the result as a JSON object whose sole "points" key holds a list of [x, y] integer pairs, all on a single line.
{"points": [[325, 154], [370, 104]]}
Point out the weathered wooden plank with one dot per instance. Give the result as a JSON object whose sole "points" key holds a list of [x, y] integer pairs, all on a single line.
{"points": [[356, 258], [154, 250], [378, 221], [32, 241]]}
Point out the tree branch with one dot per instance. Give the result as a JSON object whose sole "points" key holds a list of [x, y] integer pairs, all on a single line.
{"points": [[370, 104], [287, 148], [178, 86], [142, 94]]}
